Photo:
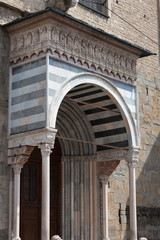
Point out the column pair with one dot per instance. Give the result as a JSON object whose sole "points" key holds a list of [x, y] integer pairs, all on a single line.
{"points": [[17, 158], [131, 157]]}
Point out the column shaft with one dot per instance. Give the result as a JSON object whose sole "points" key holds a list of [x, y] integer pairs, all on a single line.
{"points": [[45, 208], [16, 204], [104, 181], [105, 210], [132, 200], [16, 214]]}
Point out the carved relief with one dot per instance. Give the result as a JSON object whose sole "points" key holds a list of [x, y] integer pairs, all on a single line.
{"points": [[53, 33], [21, 42], [69, 40], [97, 52], [62, 38], [29, 39], [76, 43], [37, 36], [44, 34], [82, 48]]}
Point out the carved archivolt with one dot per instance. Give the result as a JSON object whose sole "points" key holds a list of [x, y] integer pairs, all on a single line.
{"points": [[67, 43]]}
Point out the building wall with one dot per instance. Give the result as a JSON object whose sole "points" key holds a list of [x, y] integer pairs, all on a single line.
{"points": [[4, 172], [144, 16]]}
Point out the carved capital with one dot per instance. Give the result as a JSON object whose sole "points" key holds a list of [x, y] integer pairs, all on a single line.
{"points": [[45, 149], [132, 157], [103, 179], [17, 168]]}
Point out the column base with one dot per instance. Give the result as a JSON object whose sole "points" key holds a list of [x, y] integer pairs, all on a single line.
{"points": [[56, 237]]}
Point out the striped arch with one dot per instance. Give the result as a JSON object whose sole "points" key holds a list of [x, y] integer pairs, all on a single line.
{"points": [[115, 126]]}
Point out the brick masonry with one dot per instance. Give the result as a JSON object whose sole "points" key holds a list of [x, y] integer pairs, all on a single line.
{"points": [[144, 16]]}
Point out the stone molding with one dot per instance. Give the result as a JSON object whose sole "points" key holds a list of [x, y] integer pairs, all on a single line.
{"points": [[33, 138], [64, 42], [19, 155]]}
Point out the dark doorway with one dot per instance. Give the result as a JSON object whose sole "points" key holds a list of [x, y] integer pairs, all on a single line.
{"points": [[31, 195]]}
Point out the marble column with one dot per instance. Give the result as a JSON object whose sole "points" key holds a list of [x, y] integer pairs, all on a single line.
{"points": [[104, 180], [132, 161], [17, 157], [45, 212], [16, 213]]}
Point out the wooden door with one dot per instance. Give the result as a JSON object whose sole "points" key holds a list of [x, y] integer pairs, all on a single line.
{"points": [[31, 195]]}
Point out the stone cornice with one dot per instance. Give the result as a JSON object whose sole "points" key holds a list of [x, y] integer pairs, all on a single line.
{"points": [[62, 39], [33, 138]]}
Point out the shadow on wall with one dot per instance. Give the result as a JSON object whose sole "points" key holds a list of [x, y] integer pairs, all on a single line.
{"points": [[148, 192]]}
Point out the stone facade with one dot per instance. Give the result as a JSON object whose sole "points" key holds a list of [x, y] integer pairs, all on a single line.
{"points": [[144, 16]]}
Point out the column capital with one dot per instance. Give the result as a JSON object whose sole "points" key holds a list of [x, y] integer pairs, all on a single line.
{"points": [[132, 157], [17, 168], [103, 179], [45, 149]]}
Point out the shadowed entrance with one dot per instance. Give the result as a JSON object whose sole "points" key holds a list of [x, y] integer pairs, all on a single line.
{"points": [[31, 195]]}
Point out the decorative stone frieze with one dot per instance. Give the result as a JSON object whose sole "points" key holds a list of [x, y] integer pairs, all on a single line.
{"points": [[110, 155], [64, 42], [32, 138]]}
